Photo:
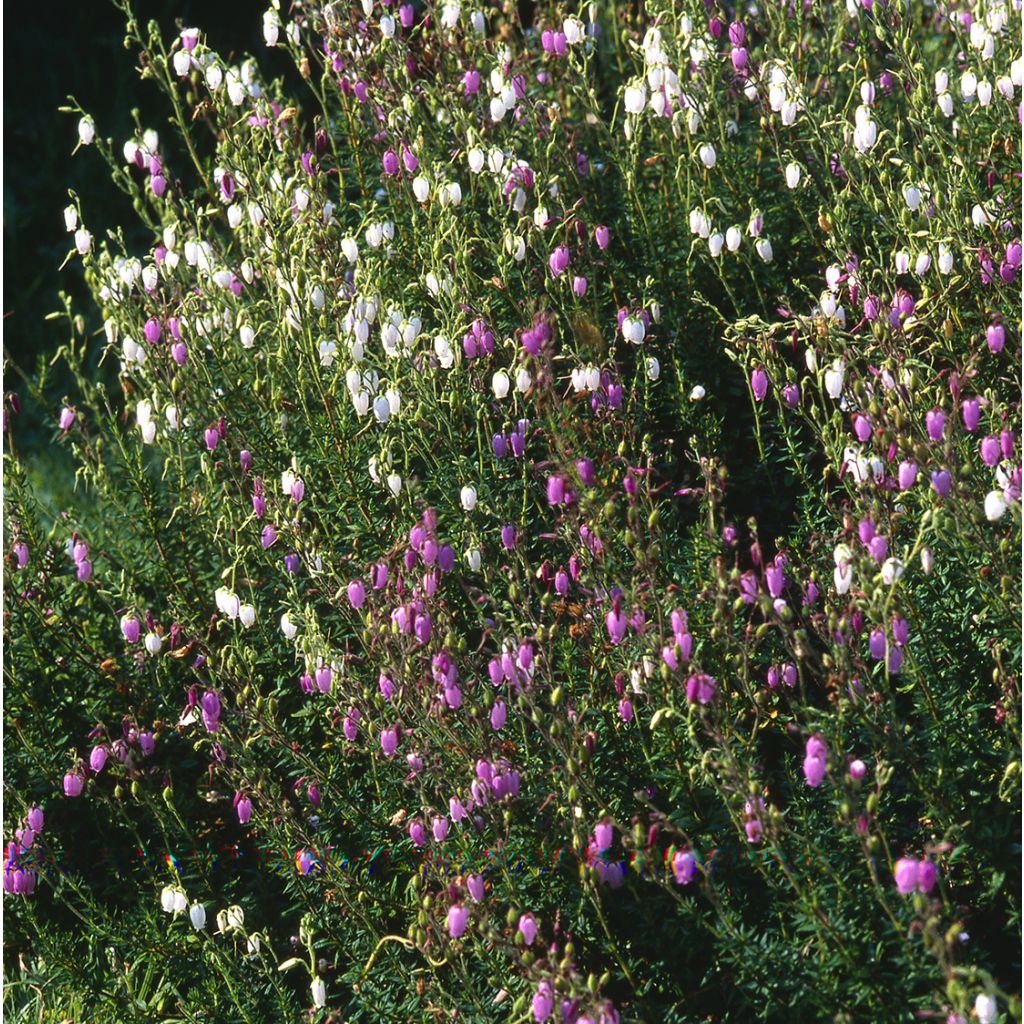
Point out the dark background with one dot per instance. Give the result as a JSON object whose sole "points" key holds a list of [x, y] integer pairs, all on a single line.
{"points": [[54, 49]]}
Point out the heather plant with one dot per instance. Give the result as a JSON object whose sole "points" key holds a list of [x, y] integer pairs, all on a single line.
{"points": [[546, 530]]}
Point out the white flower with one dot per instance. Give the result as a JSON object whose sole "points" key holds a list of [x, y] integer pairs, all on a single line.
{"points": [[500, 384], [235, 917], [945, 262], [733, 238], [892, 570], [328, 350], [83, 241], [420, 188], [927, 560], [793, 172], [86, 131], [697, 393], [468, 497], [901, 261], [986, 1008], [381, 409], [635, 98], [252, 944], [271, 27], [246, 615], [764, 249], [288, 627], [70, 218], [182, 63], [653, 368], [319, 989], [633, 329], [834, 377], [394, 483], [473, 559], [922, 263], [153, 643], [167, 899], [214, 77], [197, 915], [843, 578], [523, 380], [707, 154], [475, 157], [715, 244], [995, 505]]}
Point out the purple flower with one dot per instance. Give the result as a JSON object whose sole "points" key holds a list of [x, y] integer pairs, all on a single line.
{"points": [[556, 490], [267, 536], [971, 412], [684, 867], [602, 236], [906, 475], [356, 593], [905, 873], [390, 162], [941, 482], [210, 705], [989, 451], [73, 783], [603, 835], [926, 876], [935, 422], [759, 384], [995, 335]]}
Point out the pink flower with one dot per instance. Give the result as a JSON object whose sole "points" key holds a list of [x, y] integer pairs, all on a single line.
{"points": [[389, 741], [528, 928], [905, 872], [458, 916]]}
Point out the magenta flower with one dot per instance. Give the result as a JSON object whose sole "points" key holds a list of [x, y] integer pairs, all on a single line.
{"points": [[602, 236], [615, 621], [417, 833], [700, 688], [350, 727], [558, 260], [603, 835], [759, 384], [73, 783]]}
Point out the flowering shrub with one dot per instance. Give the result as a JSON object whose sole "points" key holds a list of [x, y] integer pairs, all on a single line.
{"points": [[550, 551]]}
